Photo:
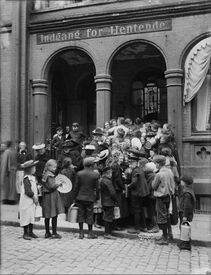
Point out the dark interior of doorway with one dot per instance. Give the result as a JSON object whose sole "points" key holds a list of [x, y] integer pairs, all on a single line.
{"points": [[73, 97]]}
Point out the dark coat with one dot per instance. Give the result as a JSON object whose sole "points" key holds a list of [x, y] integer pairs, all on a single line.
{"points": [[138, 185], [187, 203], [86, 185], [22, 157], [108, 194]]}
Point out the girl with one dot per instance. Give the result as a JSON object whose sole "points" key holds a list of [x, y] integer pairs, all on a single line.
{"points": [[68, 170], [52, 203], [28, 199]]}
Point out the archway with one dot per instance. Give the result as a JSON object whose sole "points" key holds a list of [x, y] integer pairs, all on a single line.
{"points": [[138, 82], [72, 89]]}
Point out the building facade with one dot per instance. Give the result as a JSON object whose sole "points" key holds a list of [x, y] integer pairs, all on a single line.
{"points": [[89, 61]]}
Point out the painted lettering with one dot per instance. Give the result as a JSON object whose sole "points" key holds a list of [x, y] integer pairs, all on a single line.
{"points": [[112, 30]]}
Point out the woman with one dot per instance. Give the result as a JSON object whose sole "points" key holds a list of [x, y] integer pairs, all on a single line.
{"points": [[22, 156]]}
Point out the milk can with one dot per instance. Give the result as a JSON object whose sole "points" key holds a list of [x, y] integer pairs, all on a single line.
{"points": [[116, 212], [185, 233], [72, 215]]}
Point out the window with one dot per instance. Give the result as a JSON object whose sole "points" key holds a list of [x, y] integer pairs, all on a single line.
{"points": [[147, 98]]}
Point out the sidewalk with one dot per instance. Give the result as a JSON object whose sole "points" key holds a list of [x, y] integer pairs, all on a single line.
{"points": [[200, 228]]}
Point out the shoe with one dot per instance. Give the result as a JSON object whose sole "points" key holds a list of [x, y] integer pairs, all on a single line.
{"points": [[153, 230], [162, 242], [159, 238], [81, 235], [48, 235], [26, 237], [109, 237], [92, 236], [32, 235], [56, 236], [118, 229], [170, 236], [97, 226], [133, 231], [144, 230]]}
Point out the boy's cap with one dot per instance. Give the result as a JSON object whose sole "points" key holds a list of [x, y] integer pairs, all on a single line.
{"points": [[107, 168], [75, 124], [187, 179], [88, 161], [90, 147], [159, 159]]}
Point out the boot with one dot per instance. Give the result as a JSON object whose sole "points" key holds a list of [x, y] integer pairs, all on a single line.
{"points": [[31, 234], [26, 234]]}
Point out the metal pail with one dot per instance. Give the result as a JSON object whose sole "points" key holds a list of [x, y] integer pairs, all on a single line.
{"points": [[185, 233], [72, 215]]}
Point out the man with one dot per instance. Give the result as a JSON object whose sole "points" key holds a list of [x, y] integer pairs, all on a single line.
{"points": [[85, 194], [57, 141], [76, 134], [8, 174], [67, 135]]}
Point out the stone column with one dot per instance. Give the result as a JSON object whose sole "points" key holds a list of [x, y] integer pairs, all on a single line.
{"points": [[39, 87], [103, 90], [175, 103]]}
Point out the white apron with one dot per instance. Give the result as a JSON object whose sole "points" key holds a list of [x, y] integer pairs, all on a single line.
{"points": [[27, 206]]}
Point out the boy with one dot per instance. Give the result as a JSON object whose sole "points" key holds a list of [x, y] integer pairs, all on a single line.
{"points": [[186, 205], [138, 189], [108, 199], [164, 186], [85, 194]]}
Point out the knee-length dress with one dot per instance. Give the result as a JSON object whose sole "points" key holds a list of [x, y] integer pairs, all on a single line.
{"points": [[52, 204]]}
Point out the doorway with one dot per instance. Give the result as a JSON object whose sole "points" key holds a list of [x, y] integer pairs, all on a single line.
{"points": [[139, 85], [73, 96]]}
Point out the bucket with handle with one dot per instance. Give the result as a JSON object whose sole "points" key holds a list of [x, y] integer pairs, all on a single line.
{"points": [[72, 215], [116, 212], [185, 233]]}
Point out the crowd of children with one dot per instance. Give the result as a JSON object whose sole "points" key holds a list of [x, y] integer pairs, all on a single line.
{"points": [[131, 166]]}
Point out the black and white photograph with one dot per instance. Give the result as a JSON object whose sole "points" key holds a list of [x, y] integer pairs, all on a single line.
{"points": [[105, 137]]}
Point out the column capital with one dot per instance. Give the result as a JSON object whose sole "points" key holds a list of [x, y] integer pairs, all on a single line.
{"points": [[42, 83], [172, 73], [103, 78], [39, 86]]}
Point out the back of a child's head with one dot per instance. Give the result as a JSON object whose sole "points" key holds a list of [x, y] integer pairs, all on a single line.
{"points": [[187, 179], [66, 163]]}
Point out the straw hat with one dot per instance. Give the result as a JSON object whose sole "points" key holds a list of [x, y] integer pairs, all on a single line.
{"points": [[29, 163], [38, 146]]}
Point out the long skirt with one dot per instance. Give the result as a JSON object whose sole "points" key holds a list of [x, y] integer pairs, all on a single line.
{"points": [[9, 186], [52, 204]]}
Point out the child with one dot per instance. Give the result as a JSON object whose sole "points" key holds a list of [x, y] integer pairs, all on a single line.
{"points": [[138, 190], [67, 169], [28, 199], [149, 171], [52, 203], [109, 199], [85, 194], [186, 205], [164, 186]]}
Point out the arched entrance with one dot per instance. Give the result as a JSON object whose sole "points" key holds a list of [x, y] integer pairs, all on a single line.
{"points": [[138, 82], [72, 88]]}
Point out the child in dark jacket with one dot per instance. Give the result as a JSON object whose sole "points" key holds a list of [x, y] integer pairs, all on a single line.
{"points": [[186, 205], [109, 200]]}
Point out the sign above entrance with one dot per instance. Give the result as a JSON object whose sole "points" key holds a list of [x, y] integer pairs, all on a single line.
{"points": [[113, 30]]}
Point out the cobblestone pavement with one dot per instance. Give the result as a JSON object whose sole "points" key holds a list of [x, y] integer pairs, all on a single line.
{"points": [[73, 256]]}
